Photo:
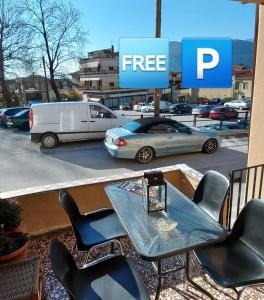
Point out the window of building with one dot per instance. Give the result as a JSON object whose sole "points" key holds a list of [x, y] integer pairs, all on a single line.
{"points": [[111, 84], [245, 85], [111, 68]]}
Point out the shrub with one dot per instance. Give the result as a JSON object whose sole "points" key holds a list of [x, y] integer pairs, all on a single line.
{"points": [[9, 244], [10, 214]]}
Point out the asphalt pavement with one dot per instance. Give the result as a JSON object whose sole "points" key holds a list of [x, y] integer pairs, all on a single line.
{"points": [[24, 164]]}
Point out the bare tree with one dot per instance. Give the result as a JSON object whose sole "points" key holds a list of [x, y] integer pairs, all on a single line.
{"points": [[14, 41], [56, 24]]}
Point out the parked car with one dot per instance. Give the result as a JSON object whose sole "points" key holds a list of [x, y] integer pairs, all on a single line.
{"points": [[19, 120], [164, 107], [223, 113], [203, 110], [146, 138], [181, 108], [8, 112], [137, 107], [146, 109], [51, 123], [239, 104]]}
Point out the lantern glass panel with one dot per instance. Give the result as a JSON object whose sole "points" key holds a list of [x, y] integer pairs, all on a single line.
{"points": [[154, 196]]}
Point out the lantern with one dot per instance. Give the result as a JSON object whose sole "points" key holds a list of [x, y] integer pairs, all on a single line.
{"points": [[154, 191]]}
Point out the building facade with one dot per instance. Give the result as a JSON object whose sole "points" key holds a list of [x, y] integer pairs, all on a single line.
{"points": [[99, 71], [241, 88], [99, 81]]}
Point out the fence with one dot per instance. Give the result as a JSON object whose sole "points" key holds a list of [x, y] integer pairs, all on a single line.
{"points": [[243, 118], [245, 184]]}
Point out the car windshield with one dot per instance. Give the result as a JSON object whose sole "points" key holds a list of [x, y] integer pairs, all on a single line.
{"points": [[22, 112], [131, 126], [203, 107]]}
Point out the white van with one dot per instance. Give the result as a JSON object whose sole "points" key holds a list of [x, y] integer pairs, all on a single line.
{"points": [[51, 123]]}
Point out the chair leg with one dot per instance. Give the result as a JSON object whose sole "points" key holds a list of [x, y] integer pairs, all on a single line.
{"points": [[112, 247], [198, 287], [112, 244], [74, 248], [239, 293]]}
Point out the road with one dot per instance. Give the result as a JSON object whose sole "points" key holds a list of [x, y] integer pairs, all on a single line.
{"points": [[24, 164]]}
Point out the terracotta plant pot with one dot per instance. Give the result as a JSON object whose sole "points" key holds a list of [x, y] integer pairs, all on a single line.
{"points": [[19, 254]]}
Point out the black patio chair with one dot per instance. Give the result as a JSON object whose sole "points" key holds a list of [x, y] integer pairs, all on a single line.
{"points": [[107, 278], [93, 229], [238, 262], [211, 193]]}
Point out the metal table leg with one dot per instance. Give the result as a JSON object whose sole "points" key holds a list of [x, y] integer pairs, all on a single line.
{"points": [[198, 287], [159, 280]]}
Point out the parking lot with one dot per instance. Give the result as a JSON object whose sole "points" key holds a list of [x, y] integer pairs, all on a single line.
{"points": [[25, 164]]}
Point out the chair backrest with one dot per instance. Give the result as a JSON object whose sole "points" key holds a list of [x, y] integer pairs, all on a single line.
{"points": [[249, 226], [69, 205], [211, 193], [72, 210], [62, 263]]}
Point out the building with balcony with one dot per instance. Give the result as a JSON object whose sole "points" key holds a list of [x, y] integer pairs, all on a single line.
{"points": [[99, 71], [99, 80]]}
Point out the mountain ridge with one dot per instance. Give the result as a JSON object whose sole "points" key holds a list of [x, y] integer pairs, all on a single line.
{"points": [[242, 54]]}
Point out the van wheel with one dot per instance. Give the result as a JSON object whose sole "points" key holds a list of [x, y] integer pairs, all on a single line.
{"points": [[49, 140], [145, 155]]}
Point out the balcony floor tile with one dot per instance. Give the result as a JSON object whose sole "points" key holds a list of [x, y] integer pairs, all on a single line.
{"points": [[174, 285]]}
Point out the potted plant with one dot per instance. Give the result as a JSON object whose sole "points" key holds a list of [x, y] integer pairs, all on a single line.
{"points": [[14, 243]]}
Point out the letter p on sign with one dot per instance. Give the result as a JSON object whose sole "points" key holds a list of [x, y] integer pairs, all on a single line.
{"points": [[207, 63]]}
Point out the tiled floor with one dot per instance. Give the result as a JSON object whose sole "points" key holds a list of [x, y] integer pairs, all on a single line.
{"points": [[174, 285]]}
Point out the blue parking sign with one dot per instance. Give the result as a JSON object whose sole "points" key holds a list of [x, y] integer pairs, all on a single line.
{"points": [[143, 63], [207, 63]]}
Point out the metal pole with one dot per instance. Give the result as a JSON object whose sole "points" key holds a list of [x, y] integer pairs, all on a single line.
{"points": [[157, 92], [46, 79], [23, 94]]}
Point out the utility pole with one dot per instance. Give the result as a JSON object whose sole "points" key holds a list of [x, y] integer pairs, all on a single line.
{"points": [[157, 92], [46, 79]]}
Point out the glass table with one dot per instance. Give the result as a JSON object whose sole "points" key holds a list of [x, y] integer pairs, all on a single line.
{"points": [[194, 227]]}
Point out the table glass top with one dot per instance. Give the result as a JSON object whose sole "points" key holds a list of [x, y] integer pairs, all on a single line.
{"points": [[147, 232]]}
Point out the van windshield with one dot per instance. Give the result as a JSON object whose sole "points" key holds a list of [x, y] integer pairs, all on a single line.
{"points": [[131, 126]]}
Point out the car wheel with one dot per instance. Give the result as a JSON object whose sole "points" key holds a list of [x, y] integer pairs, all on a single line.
{"points": [[210, 146], [49, 140], [145, 155]]}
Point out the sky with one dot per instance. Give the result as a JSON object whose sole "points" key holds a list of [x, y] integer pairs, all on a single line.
{"points": [[108, 20]]}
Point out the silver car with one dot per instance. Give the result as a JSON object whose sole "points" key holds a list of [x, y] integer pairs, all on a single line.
{"points": [[239, 104], [146, 138]]}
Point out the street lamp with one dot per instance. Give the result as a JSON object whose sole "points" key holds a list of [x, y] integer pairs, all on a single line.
{"points": [[157, 92]]}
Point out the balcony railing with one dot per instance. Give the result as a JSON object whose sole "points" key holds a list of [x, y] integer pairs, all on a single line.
{"points": [[245, 184]]}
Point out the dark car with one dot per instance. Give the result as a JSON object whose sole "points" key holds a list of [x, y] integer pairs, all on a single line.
{"points": [[8, 112], [20, 120], [181, 108], [203, 110], [223, 113]]}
